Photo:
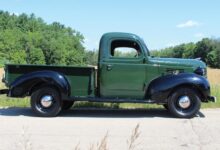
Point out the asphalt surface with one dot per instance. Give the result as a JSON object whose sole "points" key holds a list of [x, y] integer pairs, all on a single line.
{"points": [[20, 129]]}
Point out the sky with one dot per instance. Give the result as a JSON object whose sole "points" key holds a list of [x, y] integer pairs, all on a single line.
{"points": [[161, 23]]}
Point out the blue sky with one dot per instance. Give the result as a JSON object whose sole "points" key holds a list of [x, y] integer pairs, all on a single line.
{"points": [[161, 23]]}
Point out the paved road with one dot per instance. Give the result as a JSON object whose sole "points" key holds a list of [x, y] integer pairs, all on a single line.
{"points": [[19, 129]]}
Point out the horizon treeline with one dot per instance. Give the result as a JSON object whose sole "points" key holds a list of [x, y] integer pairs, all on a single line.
{"points": [[208, 50], [27, 39]]}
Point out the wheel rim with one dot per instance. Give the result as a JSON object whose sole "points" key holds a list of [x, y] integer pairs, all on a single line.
{"points": [[184, 102], [46, 101]]}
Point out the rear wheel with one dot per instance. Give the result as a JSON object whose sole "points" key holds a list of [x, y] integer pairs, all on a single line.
{"points": [[46, 102], [184, 103], [67, 105]]}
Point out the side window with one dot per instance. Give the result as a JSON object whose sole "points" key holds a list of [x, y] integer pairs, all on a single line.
{"points": [[125, 49]]}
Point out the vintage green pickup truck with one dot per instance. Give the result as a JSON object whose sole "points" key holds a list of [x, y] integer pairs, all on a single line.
{"points": [[178, 84]]}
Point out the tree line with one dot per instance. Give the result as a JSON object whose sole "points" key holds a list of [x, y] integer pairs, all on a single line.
{"points": [[27, 39], [208, 50]]}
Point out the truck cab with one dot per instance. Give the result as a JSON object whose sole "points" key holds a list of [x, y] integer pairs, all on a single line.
{"points": [[126, 73], [122, 76], [129, 76]]}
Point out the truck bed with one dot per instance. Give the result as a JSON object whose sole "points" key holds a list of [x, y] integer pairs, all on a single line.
{"points": [[81, 79]]}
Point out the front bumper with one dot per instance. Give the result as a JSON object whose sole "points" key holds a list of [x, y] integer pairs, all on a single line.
{"points": [[212, 99]]}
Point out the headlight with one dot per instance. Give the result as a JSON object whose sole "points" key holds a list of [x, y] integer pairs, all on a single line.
{"points": [[200, 71]]}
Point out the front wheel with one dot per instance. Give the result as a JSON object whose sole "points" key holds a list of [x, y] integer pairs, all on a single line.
{"points": [[46, 102], [184, 102]]}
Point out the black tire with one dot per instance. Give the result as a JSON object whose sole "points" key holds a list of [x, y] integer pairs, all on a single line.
{"points": [[192, 107], [49, 111], [67, 105]]}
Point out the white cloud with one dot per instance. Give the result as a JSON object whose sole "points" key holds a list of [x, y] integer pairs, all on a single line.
{"points": [[188, 24], [199, 35]]}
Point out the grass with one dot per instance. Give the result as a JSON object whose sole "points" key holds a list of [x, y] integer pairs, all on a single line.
{"points": [[213, 77], [215, 92], [25, 143], [132, 142], [14, 102]]}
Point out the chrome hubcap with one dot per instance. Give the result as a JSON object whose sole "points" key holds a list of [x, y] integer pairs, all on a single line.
{"points": [[184, 102], [46, 101]]}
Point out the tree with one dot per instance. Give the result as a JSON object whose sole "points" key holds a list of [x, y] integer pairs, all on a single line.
{"points": [[188, 50], [36, 56], [17, 57], [91, 57], [178, 51], [213, 57], [74, 58], [203, 48], [30, 37], [206, 49]]}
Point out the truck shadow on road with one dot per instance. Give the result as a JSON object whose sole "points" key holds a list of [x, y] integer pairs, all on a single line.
{"points": [[97, 113]]}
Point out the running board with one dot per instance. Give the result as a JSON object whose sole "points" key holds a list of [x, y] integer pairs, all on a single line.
{"points": [[4, 91], [110, 100]]}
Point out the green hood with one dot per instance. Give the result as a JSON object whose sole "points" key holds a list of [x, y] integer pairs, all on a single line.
{"points": [[194, 63]]}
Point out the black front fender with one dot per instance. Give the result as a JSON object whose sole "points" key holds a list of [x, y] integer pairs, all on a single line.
{"points": [[24, 84], [160, 89]]}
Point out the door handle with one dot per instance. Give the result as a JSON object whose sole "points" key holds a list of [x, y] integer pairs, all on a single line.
{"points": [[109, 67]]}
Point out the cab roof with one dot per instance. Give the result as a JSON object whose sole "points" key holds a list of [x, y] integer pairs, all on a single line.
{"points": [[120, 35]]}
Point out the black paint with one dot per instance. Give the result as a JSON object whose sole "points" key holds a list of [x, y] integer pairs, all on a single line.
{"points": [[161, 88]]}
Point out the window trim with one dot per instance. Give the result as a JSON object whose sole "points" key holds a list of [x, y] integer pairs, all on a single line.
{"points": [[125, 58]]}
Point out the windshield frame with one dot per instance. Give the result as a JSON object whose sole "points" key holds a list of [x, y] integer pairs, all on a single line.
{"points": [[146, 50]]}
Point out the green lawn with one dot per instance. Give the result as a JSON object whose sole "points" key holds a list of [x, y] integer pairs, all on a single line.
{"points": [[215, 92]]}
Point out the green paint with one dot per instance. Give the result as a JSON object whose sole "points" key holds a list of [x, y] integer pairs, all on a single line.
{"points": [[123, 77], [129, 77]]}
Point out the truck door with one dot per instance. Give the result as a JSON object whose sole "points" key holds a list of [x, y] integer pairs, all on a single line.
{"points": [[122, 73]]}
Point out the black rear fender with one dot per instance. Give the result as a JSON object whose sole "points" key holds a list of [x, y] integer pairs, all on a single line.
{"points": [[28, 83], [160, 89]]}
